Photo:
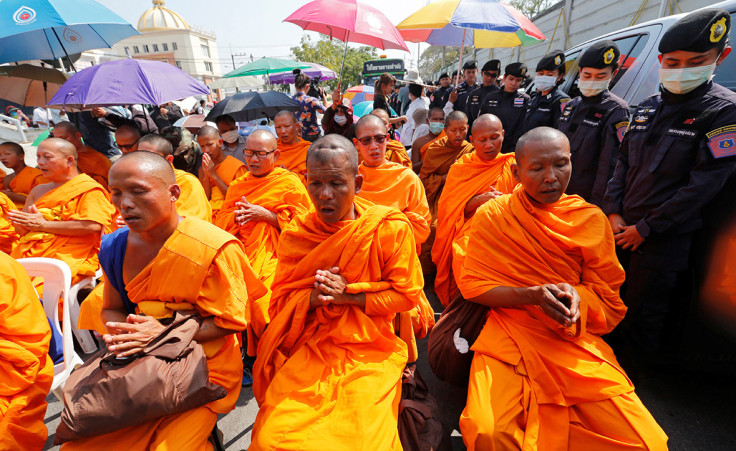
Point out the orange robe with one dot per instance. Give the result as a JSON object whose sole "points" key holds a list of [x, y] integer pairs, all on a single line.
{"points": [[280, 192], [7, 231], [423, 150], [94, 164], [468, 177], [26, 371], [330, 378], [396, 152], [435, 165], [192, 203], [394, 185], [534, 383], [230, 169], [204, 269], [79, 199], [294, 157], [25, 180]]}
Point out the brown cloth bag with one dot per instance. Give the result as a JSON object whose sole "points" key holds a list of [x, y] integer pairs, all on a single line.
{"points": [[448, 362], [107, 394], [420, 428]]}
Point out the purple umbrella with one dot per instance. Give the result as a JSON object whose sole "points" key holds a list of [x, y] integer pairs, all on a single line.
{"points": [[315, 70], [127, 82]]}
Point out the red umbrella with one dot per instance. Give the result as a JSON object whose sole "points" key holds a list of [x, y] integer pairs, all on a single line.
{"points": [[349, 21]]}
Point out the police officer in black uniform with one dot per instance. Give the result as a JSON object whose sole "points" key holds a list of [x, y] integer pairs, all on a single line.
{"points": [[441, 94], [490, 73], [509, 105], [676, 157], [460, 94], [594, 123], [545, 107]]}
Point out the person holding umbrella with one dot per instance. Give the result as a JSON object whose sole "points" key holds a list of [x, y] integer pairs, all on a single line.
{"points": [[310, 106], [458, 97], [338, 117]]}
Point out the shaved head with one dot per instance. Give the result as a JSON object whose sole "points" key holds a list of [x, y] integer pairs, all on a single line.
{"points": [[156, 143], [60, 146], [526, 143], [456, 116], [15, 147], [437, 112], [66, 126], [150, 164], [263, 137], [370, 119], [380, 112], [334, 147], [209, 132], [487, 137], [286, 114], [261, 141], [486, 121]]}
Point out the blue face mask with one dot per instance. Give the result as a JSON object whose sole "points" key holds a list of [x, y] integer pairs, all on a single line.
{"points": [[436, 127]]}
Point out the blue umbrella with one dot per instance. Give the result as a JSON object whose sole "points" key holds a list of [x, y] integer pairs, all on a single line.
{"points": [[51, 29], [127, 82], [363, 108]]}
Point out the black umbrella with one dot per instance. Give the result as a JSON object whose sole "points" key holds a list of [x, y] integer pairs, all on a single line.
{"points": [[248, 106]]}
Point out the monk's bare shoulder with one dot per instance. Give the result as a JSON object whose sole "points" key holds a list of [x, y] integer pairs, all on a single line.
{"points": [[38, 191], [7, 179]]}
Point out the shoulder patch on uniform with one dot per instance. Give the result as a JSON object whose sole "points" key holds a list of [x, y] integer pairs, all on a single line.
{"points": [[563, 102], [621, 128], [722, 141]]}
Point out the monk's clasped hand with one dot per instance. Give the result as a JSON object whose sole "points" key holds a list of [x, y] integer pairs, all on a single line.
{"points": [[133, 335], [331, 285], [560, 302], [31, 219]]}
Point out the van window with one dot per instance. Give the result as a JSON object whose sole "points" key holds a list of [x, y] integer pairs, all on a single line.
{"points": [[726, 72]]}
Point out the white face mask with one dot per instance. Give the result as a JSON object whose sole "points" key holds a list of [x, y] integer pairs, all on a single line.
{"points": [[231, 136], [545, 82], [341, 120], [590, 88], [682, 81], [436, 127]]}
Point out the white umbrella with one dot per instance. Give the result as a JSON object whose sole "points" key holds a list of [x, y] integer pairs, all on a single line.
{"points": [[237, 82]]}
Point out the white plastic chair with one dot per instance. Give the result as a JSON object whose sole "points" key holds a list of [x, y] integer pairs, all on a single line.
{"points": [[85, 337], [57, 278]]}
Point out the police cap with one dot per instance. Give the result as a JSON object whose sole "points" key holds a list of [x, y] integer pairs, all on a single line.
{"points": [[551, 61], [517, 70], [472, 64], [600, 55], [699, 32], [444, 75], [492, 65]]}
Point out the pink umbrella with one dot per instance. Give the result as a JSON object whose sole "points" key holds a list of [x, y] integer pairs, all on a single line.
{"points": [[349, 21]]}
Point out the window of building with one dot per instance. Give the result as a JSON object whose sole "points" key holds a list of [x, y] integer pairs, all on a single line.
{"points": [[208, 66], [155, 47], [127, 50], [178, 64], [174, 46], [165, 47], [145, 49], [136, 49], [205, 51]]}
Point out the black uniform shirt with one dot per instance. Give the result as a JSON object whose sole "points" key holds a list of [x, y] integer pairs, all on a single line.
{"points": [[510, 107], [440, 96], [463, 89], [595, 127], [475, 100], [545, 110], [676, 156]]}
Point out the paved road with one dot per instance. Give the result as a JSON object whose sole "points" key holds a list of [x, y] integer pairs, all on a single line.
{"points": [[695, 408]]}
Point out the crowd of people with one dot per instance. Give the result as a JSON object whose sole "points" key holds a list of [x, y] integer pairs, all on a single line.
{"points": [[303, 255]]}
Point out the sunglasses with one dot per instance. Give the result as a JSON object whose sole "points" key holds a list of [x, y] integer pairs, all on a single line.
{"points": [[258, 153], [128, 146], [491, 74], [367, 140]]}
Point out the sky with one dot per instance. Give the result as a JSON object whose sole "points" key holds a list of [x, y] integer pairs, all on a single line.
{"points": [[257, 27]]}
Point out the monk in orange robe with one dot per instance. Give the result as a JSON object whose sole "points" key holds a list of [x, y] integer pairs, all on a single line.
{"points": [[257, 207], [473, 180], [545, 263], [8, 236], [89, 161], [393, 185], [395, 151], [328, 371], [218, 170], [23, 179], [435, 118], [442, 154], [293, 149], [65, 218], [26, 371], [171, 264], [192, 203]]}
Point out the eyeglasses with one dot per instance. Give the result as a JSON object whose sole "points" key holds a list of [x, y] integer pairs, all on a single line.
{"points": [[128, 146], [491, 74], [367, 140], [258, 153]]}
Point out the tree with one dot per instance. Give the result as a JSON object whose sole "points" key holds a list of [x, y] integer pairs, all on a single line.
{"points": [[430, 61], [531, 8], [329, 54]]}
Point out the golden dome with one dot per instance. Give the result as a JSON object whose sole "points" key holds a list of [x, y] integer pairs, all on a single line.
{"points": [[159, 17]]}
